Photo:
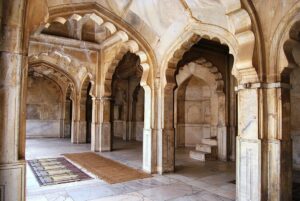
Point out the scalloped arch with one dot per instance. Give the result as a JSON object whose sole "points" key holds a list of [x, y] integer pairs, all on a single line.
{"points": [[284, 41], [190, 69], [241, 46]]}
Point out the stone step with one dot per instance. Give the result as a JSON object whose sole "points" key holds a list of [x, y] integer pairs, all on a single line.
{"points": [[197, 155], [203, 147], [208, 141]]}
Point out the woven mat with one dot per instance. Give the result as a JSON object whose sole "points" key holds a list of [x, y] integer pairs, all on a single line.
{"points": [[106, 169], [52, 171]]}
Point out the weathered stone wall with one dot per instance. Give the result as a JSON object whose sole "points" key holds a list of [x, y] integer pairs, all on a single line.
{"points": [[44, 108], [193, 112]]}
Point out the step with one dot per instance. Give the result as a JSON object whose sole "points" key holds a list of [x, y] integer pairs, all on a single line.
{"points": [[208, 141], [197, 155], [203, 147]]}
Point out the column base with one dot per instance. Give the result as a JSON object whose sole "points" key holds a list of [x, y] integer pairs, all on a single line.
{"points": [[105, 137], [248, 166], [12, 181], [168, 151]]}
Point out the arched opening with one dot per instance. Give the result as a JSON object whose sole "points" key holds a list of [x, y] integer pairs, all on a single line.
{"points": [[205, 113], [86, 112], [68, 114], [44, 107], [127, 109], [89, 114], [49, 111]]}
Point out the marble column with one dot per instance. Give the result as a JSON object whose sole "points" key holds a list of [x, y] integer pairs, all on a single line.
{"points": [[168, 131], [264, 152], [278, 152], [95, 125], [105, 125], [149, 145], [12, 67], [75, 121], [249, 146], [63, 117]]}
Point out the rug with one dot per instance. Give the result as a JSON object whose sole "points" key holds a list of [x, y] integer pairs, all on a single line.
{"points": [[106, 169], [52, 171]]}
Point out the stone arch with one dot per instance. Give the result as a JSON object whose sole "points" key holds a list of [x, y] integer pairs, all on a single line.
{"points": [[80, 119], [240, 41], [102, 16], [214, 76], [88, 78], [240, 45], [281, 64], [55, 69], [132, 47], [46, 85], [283, 41], [75, 71], [121, 34]]}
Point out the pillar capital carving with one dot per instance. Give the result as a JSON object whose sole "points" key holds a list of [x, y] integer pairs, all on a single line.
{"points": [[105, 98], [259, 85]]}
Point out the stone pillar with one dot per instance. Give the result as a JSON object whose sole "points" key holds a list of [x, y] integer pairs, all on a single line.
{"points": [[12, 65], [278, 159], [82, 124], [168, 132], [264, 161], [249, 146], [75, 121], [105, 125], [222, 134], [63, 117], [95, 125], [67, 119]]}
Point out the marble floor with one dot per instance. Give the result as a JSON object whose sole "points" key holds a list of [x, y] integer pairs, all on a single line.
{"points": [[192, 180]]}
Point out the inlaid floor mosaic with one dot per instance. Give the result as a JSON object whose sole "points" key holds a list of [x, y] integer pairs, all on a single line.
{"points": [[52, 171]]}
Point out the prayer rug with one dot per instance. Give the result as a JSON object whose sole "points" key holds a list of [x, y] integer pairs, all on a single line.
{"points": [[106, 169], [52, 171]]}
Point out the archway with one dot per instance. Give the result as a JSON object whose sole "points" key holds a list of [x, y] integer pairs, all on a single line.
{"points": [[44, 107], [127, 110], [86, 116], [141, 59], [244, 72], [204, 81], [68, 114]]}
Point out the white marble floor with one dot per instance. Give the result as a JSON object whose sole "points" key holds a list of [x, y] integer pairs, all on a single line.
{"points": [[192, 181]]}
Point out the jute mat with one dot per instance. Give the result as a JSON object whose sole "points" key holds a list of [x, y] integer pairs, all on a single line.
{"points": [[106, 169]]}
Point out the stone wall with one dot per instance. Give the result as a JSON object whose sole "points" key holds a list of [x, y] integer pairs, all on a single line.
{"points": [[44, 108], [193, 112]]}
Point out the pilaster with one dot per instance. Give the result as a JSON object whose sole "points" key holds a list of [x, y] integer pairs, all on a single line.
{"points": [[12, 68]]}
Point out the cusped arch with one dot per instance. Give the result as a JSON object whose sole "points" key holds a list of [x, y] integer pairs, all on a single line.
{"points": [[204, 70], [120, 33], [284, 40], [48, 68], [128, 46], [75, 70], [241, 46], [88, 79]]}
